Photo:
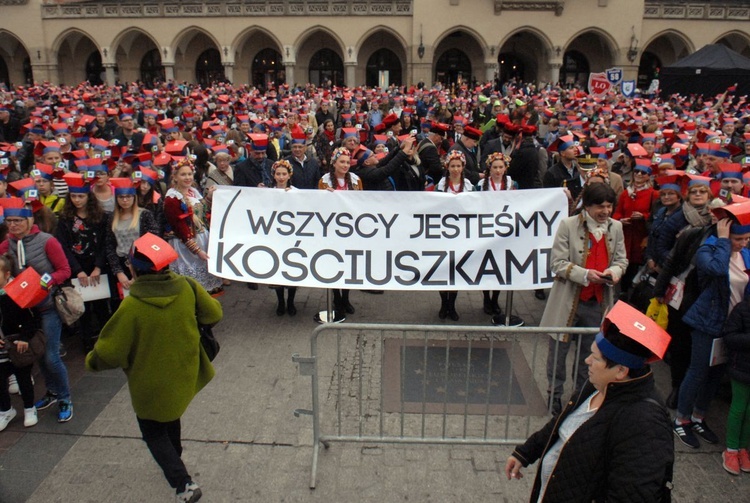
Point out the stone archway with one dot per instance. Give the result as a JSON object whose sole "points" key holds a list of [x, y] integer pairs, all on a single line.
{"points": [[589, 51], [208, 67], [137, 57], [382, 58], [320, 57], [15, 66], [197, 57], [458, 59], [74, 52], [258, 60], [738, 42], [523, 57], [662, 50]]}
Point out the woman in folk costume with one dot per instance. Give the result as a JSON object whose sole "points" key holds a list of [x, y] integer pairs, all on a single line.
{"points": [[633, 211], [496, 179], [185, 211], [588, 260], [453, 182], [339, 178]]}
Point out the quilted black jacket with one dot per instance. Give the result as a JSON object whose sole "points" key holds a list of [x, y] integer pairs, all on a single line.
{"points": [[737, 340], [622, 453]]}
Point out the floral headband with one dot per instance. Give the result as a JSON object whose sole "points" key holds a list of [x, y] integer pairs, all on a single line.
{"points": [[498, 156], [282, 164], [185, 161], [338, 153], [455, 154]]}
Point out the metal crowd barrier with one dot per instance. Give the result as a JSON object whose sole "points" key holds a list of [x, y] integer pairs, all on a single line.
{"points": [[367, 395]]}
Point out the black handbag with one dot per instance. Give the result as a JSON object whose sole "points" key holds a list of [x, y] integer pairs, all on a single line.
{"points": [[210, 345]]}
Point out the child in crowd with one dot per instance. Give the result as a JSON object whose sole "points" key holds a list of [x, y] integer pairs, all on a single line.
{"points": [[18, 327]]}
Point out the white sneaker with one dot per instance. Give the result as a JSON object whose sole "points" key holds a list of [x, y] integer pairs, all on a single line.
{"points": [[29, 417], [13, 385], [191, 494], [6, 417]]}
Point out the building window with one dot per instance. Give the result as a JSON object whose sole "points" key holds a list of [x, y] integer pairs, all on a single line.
{"points": [[453, 67], [575, 69], [326, 66], [94, 69], [151, 69], [648, 70], [267, 69], [511, 67], [208, 68], [383, 69]]}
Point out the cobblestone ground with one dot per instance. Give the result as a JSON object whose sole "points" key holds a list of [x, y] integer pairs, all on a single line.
{"points": [[242, 442]]}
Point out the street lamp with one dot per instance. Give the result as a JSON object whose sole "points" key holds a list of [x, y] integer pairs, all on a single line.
{"points": [[420, 49], [633, 49]]}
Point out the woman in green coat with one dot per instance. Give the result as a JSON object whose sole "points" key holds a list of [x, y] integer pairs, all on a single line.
{"points": [[154, 338]]}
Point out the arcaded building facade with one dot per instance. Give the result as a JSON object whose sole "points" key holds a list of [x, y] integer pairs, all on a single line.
{"points": [[356, 42]]}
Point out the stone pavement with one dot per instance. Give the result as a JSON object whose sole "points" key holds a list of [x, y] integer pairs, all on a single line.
{"points": [[242, 442]]}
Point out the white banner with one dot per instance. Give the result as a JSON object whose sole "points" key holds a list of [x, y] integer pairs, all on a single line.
{"points": [[385, 240]]}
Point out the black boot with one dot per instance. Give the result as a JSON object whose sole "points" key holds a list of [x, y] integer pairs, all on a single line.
{"points": [[347, 305], [486, 302], [452, 306], [290, 301], [493, 303], [443, 313], [281, 307]]}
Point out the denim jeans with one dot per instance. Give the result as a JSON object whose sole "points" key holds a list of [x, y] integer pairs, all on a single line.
{"points": [[163, 441], [701, 381], [53, 369]]}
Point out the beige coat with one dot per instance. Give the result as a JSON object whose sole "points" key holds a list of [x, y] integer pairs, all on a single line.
{"points": [[569, 254]]}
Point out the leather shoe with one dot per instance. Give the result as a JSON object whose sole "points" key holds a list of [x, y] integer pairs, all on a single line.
{"points": [[349, 308], [291, 309], [280, 310], [453, 315], [443, 313], [539, 294]]}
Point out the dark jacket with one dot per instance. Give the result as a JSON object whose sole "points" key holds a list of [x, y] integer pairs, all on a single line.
{"points": [[85, 252], [624, 452], [306, 174], [249, 173], [668, 236], [430, 158], [383, 175], [524, 165], [709, 312], [678, 260], [557, 176], [658, 219], [737, 340]]}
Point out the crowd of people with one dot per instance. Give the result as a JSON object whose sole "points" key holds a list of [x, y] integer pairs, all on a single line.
{"points": [[88, 170]]}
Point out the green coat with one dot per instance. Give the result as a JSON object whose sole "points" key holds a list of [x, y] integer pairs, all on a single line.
{"points": [[154, 338]]}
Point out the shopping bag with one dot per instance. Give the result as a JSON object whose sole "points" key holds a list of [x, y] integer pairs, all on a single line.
{"points": [[658, 312], [26, 289]]}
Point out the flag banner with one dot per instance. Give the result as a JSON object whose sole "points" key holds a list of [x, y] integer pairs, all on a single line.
{"points": [[385, 240], [628, 88], [614, 75], [599, 85]]}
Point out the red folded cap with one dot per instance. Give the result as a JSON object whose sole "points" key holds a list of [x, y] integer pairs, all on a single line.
{"points": [[639, 327]]}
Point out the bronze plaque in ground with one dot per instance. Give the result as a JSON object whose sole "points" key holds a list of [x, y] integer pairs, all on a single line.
{"points": [[454, 376]]}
